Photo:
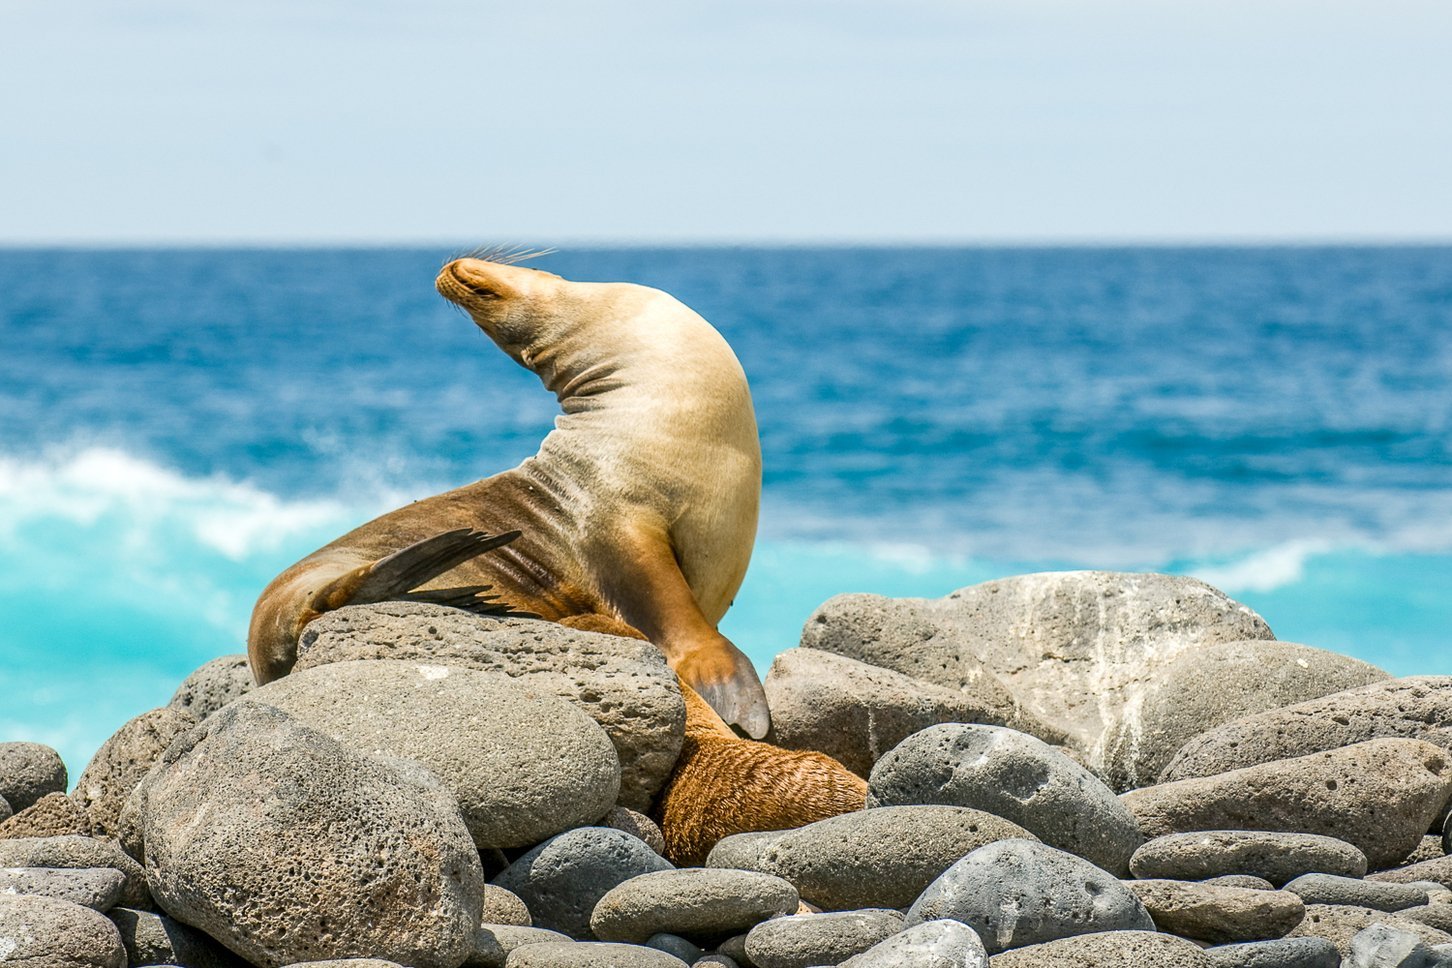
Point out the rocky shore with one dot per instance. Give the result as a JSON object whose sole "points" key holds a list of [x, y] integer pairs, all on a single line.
{"points": [[1089, 768]]}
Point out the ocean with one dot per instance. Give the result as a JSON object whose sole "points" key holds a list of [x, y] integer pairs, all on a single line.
{"points": [[176, 426]]}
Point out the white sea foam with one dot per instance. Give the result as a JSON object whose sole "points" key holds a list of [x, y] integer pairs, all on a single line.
{"points": [[1265, 570]]}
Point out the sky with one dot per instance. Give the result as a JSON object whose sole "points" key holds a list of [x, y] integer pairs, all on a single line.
{"points": [[768, 121]]}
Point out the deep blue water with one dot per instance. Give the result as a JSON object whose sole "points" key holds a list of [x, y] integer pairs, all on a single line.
{"points": [[177, 426]]}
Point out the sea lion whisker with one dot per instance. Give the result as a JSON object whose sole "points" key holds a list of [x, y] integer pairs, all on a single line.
{"points": [[506, 254]]}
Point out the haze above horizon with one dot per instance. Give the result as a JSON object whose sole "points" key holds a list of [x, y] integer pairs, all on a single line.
{"points": [[929, 121]]}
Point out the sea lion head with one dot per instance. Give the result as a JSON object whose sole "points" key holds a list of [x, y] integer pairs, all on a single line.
{"points": [[519, 308]]}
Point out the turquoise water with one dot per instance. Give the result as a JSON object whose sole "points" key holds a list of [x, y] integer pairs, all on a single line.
{"points": [[176, 427]]}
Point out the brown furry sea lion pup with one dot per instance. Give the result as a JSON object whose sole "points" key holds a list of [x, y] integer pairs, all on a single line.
{"points": [[637, 516]]}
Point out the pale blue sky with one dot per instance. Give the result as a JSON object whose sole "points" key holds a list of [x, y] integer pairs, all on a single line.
{"points": [[917, 120]]}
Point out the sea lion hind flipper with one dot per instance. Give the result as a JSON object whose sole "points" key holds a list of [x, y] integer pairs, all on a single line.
{"points": [[395, 575]]}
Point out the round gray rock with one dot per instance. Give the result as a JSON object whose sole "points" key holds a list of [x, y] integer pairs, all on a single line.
{"points": [[78, 852], [674, 944], [1340, 923], [804, 940], [213, 685], [49, 933], [1073, 647], [932, 944], [637, 825], [494, 942], [855, 712], [97, 888], [1217, 914], [155, 939], [1217, 684], [1277, 857], [1356, 892], [587, 954], [1108, 949], [287, 846], [881, 857], [693, 902], [623, 684], [504, 907], [523, 764], [28, 771], [1281, 953], [53, 815], [1021, 892], [1381, 795], [1014, 776], [562, 879], [1240, 880], [1418, 707], [742, 851], [123, 760]]}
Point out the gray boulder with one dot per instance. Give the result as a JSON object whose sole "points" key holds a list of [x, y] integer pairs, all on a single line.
{"points": [[53, 815], [522, 763], [123, 760], [494, 942], [883, 857], [1107, 949], [855, 712], [586, 954], [155, 939], [28, 771], [1213, 685], [97, 888], [1381, 796], [562, 879], [1357, 892], [692, 902], [47, 933], [804, 940], [213, 685], [1021, 892], [1217, 914], [1014, 776], [1073, 647], [932, 944], [623, 684], [1281, 953], [1419, 707], [1276, 856], [79, 853], [287, 846]]}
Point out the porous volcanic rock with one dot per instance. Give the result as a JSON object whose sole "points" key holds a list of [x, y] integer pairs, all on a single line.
{"points": [[804, 940], [78, 852], [213, 685], [932, 944], [523, 764], [494, 942], [1074, 648], [48, 933], [637, 825], [855, 712], [1216, 684], [692, 902], [98, 888], [123, 760], [1340, 923], [1014, 776], [1356, 892], [1439, 869], [155, 939], [29, 771], [1217, 914], [623, 684], [53, 815], [1381, 796], [287, 846], [1276, 856], [1308, 952], [1418, 707], [504, 907], [1107, 949], [590, 954]]}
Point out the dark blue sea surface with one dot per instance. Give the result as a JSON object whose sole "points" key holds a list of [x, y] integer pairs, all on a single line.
{"points": [[177, 426]]}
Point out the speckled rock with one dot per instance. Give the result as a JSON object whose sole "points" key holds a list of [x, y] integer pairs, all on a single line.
{"points": [[716, 960], [734, 948], [1340, 923], [97, 888], [674, 944], [855, 712], [28, 771], [1073, 647], [1381, 796], [1014, 776], [504, 907], [347, 963], [1213, 685], [562, 879], [53, 815], [1281, 953], [494, 942], [1428, 848], [742, 851], [1438, 915], [155, 939], [522, 763], [78, 852], [123, 760], [213, 685], [46, 933], [804, 940], [883, 857], [1021, 892], [1218, 914], [1356, 892], [1438, 869], [637, 825], [623, 684], [1384, 946], [692, 902], [5, 811], [932, 944], [287, 846], [1278, 857], [1240, 880], [590, 954], [1411, 708], [1107, 949]]}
